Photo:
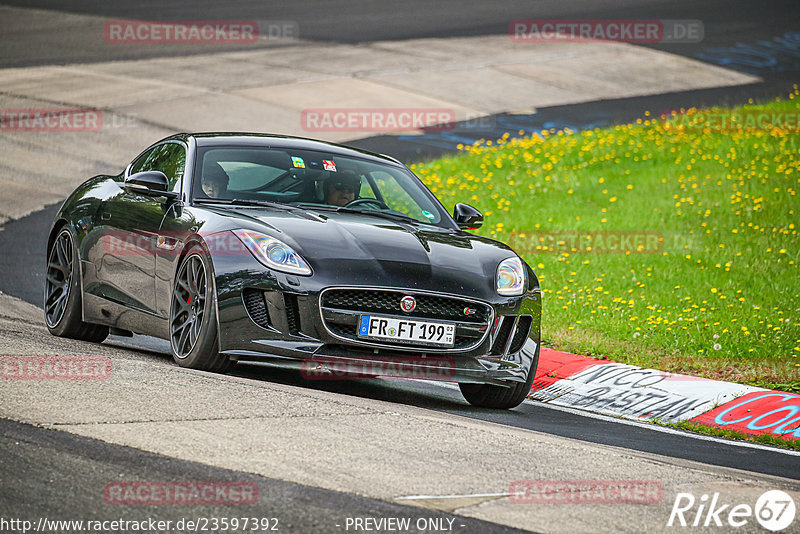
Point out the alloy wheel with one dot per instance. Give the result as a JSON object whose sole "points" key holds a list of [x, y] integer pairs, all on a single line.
{"points": [[59, 278], [188, 306]]}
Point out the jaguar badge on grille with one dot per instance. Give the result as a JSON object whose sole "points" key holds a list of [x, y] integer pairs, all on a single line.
{"points": [[408, 304]]}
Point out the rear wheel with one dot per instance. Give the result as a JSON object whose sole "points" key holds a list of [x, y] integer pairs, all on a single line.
{"points": [[499, 397], [193, 316], [62, 293]]}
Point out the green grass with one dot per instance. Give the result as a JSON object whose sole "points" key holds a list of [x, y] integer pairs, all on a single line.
{"points": [[720, 295], [765, 439]]}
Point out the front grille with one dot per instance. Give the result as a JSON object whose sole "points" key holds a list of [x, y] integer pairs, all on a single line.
{"points": [[341, 309], [341, 329], [388, 302]]}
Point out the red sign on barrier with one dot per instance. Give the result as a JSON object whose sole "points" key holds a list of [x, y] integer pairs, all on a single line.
{"points": [[759, 412], [555, 365]]}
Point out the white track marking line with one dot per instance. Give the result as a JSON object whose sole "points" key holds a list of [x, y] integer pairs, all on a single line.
{"points": [[425, 497]]}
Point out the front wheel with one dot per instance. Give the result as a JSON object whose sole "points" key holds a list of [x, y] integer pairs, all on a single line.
{"points": [[499, 397], [62, 293], [193, 316]]}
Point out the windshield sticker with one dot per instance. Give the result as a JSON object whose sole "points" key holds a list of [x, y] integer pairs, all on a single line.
{"points": [[329, 165], [298, 162], [428, 214]]}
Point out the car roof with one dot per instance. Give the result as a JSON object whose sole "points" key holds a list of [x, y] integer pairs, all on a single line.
{"points": [[245, 139]]}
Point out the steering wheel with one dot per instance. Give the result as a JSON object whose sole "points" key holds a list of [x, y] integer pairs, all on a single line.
{"points": [[359, 201]]}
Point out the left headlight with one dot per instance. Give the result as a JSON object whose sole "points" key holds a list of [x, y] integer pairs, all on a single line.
{"points": [[273, 253], [511, 277]]}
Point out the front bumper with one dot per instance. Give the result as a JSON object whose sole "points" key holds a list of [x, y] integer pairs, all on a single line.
{"points": [[329, 363], [280, 320]]}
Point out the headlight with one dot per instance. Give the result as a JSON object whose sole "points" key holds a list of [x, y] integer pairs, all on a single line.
{"points": [[273, 253], [511, 277]]}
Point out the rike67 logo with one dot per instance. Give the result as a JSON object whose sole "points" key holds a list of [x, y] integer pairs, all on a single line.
{"points": [[774, 510]]}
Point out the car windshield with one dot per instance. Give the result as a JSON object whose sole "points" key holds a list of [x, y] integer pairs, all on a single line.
{"points": [[313, 179]]}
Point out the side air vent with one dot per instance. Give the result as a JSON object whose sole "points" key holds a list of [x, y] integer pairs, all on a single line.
{"points": [[256, 307], [292, 313], [521, 333], [501, 336]]}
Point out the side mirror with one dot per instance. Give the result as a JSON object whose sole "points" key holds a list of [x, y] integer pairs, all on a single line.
{"points": [[152, 183], [467, 217]]}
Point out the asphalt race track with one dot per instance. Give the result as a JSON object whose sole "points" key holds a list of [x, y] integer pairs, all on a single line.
{"points": [[365, 21], [93, 463], [55, 458]]}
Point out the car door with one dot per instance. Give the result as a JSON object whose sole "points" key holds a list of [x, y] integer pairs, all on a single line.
{"points": [[132, 221]]}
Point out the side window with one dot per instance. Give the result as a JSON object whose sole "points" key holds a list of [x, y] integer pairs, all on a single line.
{"points": [[400, 195], [169, 158], [173, 163], [141, 161], [394, 195]]}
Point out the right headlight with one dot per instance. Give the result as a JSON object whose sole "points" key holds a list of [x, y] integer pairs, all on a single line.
{"points": [[273, 253], [511, 277]]}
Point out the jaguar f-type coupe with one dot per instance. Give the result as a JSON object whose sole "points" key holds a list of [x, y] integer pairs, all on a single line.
{"points": [[298, 253]]}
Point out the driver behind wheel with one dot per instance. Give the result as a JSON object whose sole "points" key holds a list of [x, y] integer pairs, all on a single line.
{"points": [[215, 181], [342, 188]]}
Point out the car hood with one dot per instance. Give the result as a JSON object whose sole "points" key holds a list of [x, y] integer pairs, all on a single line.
{"points": [[355, 249]]}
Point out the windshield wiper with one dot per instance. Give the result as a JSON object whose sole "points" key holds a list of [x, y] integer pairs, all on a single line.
{"points": [[312, 206], [385, 214], [242, 202], [309, 206]]}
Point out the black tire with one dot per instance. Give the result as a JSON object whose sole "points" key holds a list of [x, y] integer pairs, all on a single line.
{"points": [[193, 331], [62, 293], [499, 397]]}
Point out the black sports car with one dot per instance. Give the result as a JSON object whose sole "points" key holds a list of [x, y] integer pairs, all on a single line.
{"points": [[300, 253]]}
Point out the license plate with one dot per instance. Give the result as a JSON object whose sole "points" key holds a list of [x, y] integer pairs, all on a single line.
{"points": [[406, 331]]}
